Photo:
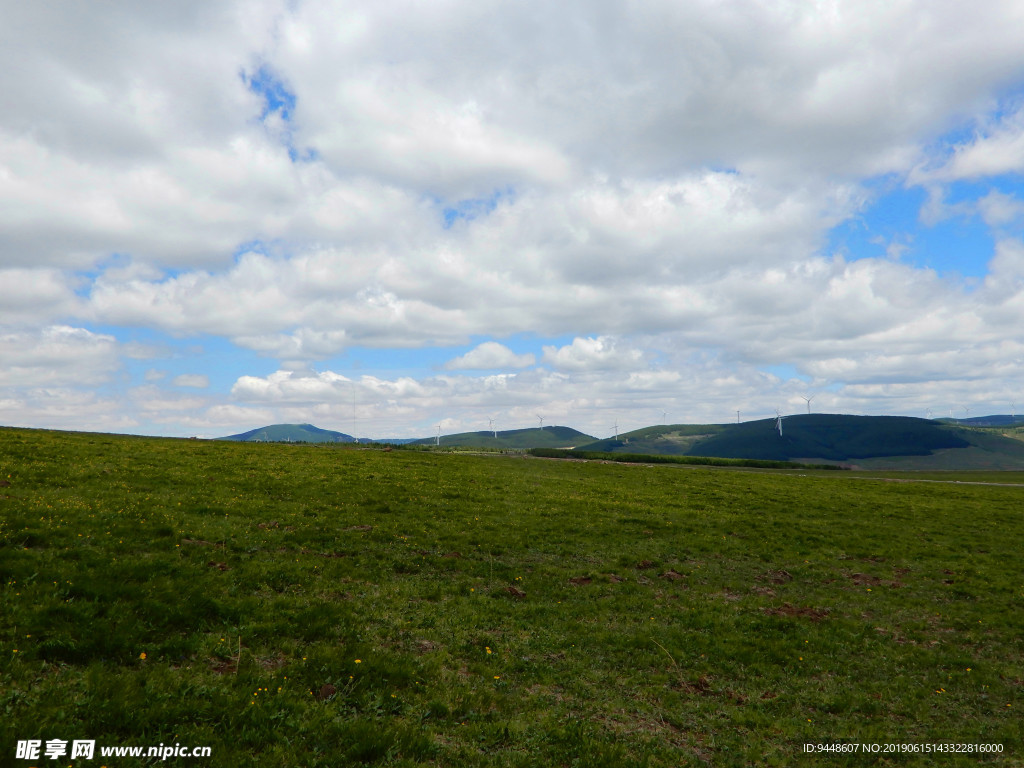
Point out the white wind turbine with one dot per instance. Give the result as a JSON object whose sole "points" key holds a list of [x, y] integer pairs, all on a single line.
{"points": [[808, 399], [616, 428], [490, 425], [438, 439], [737, 416], [541, 420], [664, 416], [929, 413], [778, 421]]}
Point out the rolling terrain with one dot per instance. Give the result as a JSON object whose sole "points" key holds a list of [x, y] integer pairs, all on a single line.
{"points": [[301, 433], [512, 439], [875, 442], [869, 442], [290, 433]]}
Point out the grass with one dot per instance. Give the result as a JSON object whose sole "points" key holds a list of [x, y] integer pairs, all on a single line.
{"points": [[324, 606]]}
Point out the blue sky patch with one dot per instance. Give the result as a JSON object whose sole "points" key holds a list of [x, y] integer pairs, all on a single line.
{"points": [[475, 207], [957, 242], [276, 96]]}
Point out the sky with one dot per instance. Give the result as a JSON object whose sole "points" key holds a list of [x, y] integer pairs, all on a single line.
{"points": [[384, 217]]}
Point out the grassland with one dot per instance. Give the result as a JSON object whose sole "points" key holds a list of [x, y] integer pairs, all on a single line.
{"points": [[325, 606]]}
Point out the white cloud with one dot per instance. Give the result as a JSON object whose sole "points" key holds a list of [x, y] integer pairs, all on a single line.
{"points": [[56, 355], [996, 149], [655, 182], [197, 380], [601, 353], [490, 355], [35, 296], [998, 209]]}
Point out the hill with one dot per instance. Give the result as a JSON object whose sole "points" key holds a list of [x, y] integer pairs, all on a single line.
{"points": [[995, 420], [870, 441], [671, 439], [513, 439], [291, 433]]}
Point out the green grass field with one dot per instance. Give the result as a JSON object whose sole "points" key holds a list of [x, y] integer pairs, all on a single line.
{"points": [[328, 606]]}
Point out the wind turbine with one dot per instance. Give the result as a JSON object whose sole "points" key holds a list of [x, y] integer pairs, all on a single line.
{"points": [[490, 425], [541, 420], [664, 415], [808, 399], [929, 413], [438, 435], [616, 428], [1013, 413], [737, 417], [778, 421], [967, 412]]}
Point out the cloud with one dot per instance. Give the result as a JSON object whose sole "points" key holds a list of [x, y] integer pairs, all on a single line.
{"points": [[56, 355], [490, 355], [199, 381], [601, 353], [994, 150], [658, 184]]}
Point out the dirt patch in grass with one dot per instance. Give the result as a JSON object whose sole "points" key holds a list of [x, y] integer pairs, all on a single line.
{"points": [[864, 580], [776, 577], [802, 611], [202, 543], [326, 691], [224, 666]]}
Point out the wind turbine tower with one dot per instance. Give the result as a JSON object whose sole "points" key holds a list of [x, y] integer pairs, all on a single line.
{"points": [[808, 399], [490, 424], [541, 420], [737, 417], [778, 421], [616, 428], [438, 440]]}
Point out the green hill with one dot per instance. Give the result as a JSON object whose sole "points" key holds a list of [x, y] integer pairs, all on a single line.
{"points": [[291, 433], [831, 437], [512, 439], [870, 441], [671, 440]]}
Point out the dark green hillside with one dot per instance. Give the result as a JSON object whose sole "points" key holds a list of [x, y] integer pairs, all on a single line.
{"points": [[990, 449], [996, 420], [513, 439], [665, 439], [291, 433], [831, 437]]}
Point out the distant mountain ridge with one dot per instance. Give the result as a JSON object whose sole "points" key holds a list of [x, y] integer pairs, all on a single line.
{"points": [[869, 441], [291, 433], [883, 442], [512, 439]]}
